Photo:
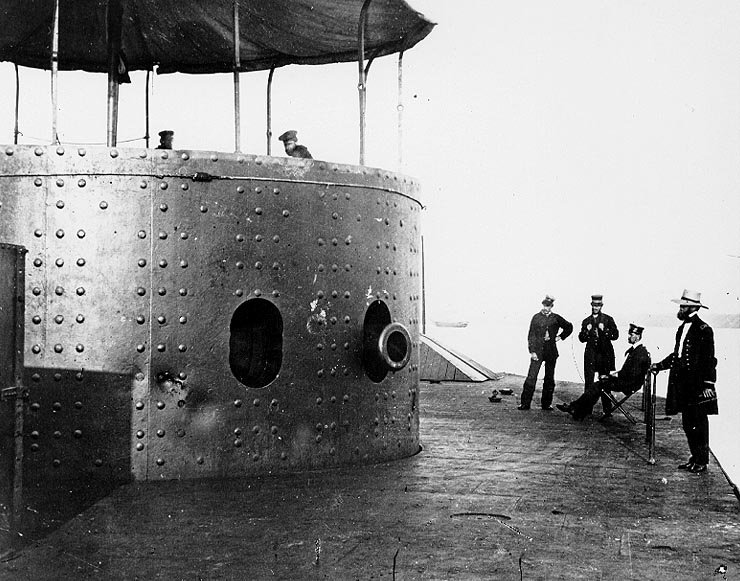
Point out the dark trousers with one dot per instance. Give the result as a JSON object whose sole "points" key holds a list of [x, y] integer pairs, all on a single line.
{"points": [[548, 385], [585, 404], [696, 427]]}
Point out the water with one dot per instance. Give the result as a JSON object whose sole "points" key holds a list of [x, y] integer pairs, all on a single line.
{"points": [[503, 347]]}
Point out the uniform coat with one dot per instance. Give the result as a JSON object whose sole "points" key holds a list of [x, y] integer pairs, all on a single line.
{"points": [[693, 372], [598, 356]]}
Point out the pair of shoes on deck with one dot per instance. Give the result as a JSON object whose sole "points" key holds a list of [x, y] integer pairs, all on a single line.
{"points": [[522, 407], [693, 467], [568, 409]]}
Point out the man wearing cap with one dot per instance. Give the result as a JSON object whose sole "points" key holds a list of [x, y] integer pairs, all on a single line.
{"points": [[693, 372], [598, 330], [165, 139], [290, 141], [543, 334], [627, 380]]}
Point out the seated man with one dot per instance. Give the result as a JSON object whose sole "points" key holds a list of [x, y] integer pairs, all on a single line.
{"points": [[628, 380]]}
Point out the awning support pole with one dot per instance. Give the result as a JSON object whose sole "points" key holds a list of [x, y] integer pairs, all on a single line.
{"points": [[55, 73], [113, 23], [400, 110], [237, 66], [269, 111], [362, 75], [16, 132], [146, 109]]}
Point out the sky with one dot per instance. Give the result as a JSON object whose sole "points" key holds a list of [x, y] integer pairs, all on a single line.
{"points": [[568, 148]]}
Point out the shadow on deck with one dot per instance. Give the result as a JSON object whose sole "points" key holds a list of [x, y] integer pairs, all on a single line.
{"points": [[495, 494]]}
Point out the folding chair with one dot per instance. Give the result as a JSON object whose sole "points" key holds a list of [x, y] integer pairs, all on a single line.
{"points": [[618, 404]]}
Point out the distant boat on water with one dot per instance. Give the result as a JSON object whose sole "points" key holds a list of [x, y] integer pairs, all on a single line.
{"points": [[456, 324]]}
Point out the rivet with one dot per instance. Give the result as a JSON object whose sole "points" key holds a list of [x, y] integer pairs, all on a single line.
{"points": [[237, 431], [182, 375], [283, 455], [56, 463], [139, 446], [80, 318], [160, 405], [163, 207], [160, 461], [164, 155], [161, 347], [161, 319], [214, 157], [143, 154], [274, 403], [258, 238], [163, 263], [60, 182], [318, 439], [38, 151], [140, 348], [258, 190], [59, 233], [185, 157], [113, 153], [9, 151], [275, 266], [239, 292], [163, 235], [257, 292], [240, 189], [334, 241], [182, 348], [36, 291], [143, 184], [36, 377], [321, 241], [258, 211], [34, 447], [237, 443], [256, 403], [183, 264], [81, 183], [237, 403], [286, 213], [334, 294], [183, 292], [160, 433], [163, 186], [141, 291], [276, 293], [79, 347], [80, 262], [56, 406], [59, 291], [141, 234], [335, 216], [38, 182], [200, 460], [183, 320], [276, 238], [35, 406], [38, 262], [60, 204], [142, 262], [59, 262], [58, 348], [274, 430], [204, 209], [140, 434], [276, 191], [161, 291], [36, 320], [240, 237]]}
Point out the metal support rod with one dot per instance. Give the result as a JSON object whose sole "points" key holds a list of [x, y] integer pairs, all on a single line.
{"points": [[55, 74], [269, 111], [17, 101], [146, 109], [237, 66], [362, 75], [114, 19], [650, 418], [399, 107]]}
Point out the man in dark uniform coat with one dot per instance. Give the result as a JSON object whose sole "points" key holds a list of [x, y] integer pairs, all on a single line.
{"points": [[543, 334], [165, 139], [627, 380], [693, 372], [290, 141], [597, 331]]}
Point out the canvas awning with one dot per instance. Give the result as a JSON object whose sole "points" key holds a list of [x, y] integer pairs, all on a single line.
{"points": [[196, 36]]}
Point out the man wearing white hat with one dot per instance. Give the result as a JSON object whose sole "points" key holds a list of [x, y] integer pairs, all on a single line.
{"points": [[693, 372]]}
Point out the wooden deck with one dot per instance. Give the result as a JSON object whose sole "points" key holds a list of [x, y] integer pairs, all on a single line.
{"points": [[496, 494]]}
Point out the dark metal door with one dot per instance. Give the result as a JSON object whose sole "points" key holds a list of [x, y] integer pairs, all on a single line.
{"points": [[12, 273]]}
